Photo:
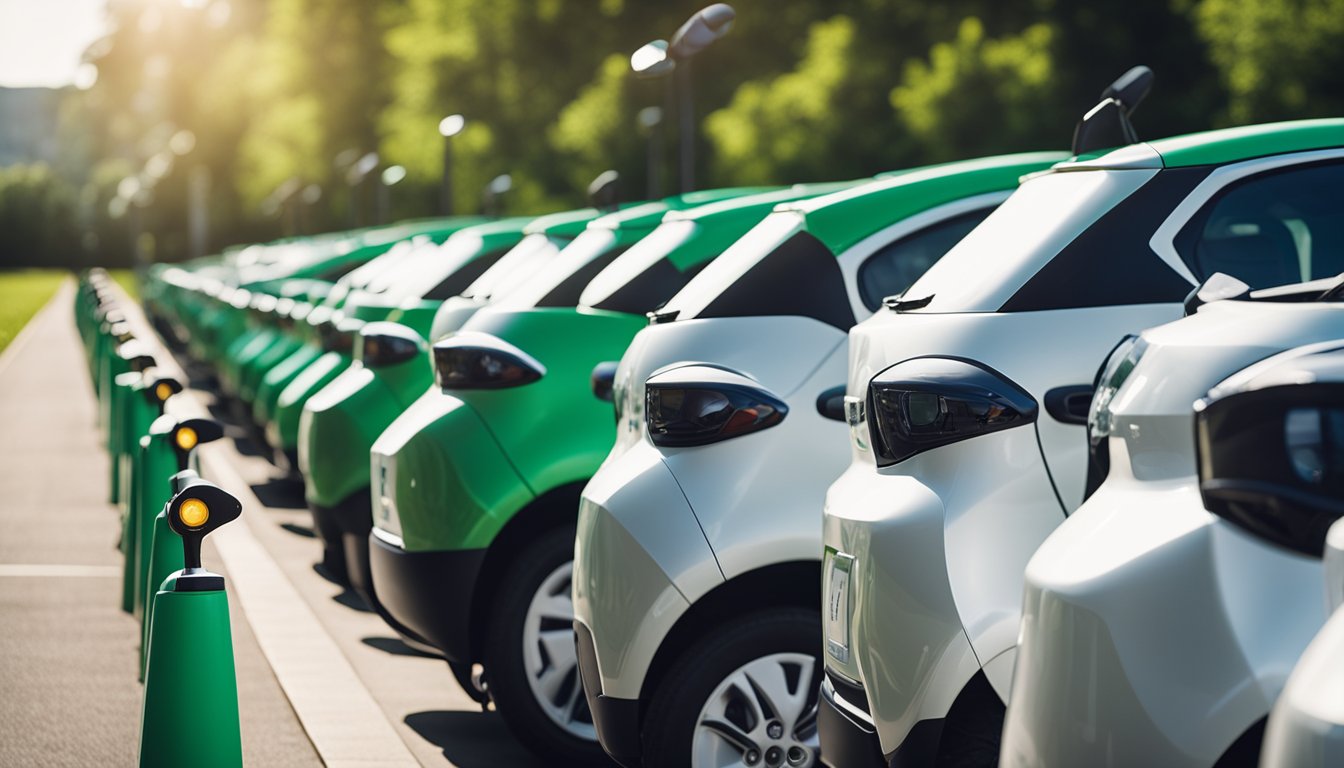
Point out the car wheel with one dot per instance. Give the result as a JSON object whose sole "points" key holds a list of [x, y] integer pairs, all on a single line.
{"points": [[531, 664], [744, 695]]}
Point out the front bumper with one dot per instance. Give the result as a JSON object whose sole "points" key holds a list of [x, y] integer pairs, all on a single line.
{"points": [[638, 552], [1153, 632], [1306, 729], [289, 408], [848, 740], [338, 426], [616, 720], [428, 594]]}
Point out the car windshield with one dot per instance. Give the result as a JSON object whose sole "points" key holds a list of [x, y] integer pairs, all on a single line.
{"points": [[646, 255], [562, 279], [515, 267], [1019, 238]]}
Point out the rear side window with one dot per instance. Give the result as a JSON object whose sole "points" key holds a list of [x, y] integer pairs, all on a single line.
{"points": [[458, 281], [896, 266], [1276, 228], [649, 289], [800, 277], [568, 291]]}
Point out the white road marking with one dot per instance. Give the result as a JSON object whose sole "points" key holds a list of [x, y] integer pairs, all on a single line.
{"points": [[49, 570]]}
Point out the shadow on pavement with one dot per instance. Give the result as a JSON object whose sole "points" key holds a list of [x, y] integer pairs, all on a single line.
{"points": [[299, 530], [472, 739], [395, 647], [280, 493], [351, 599]]}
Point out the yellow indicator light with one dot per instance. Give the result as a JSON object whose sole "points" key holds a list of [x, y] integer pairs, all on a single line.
{"points": [[163, 391], [186, 438], [194, 513]]}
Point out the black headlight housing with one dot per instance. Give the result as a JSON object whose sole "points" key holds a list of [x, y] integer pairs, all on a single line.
{"points": [[482, 361], [699, 405], [929, 402], [1272, 461], [383, 344]]}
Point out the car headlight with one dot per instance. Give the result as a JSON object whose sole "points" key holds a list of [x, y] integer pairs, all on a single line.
{"points": [[1272, 461], [1114, 372], [480, 361], [701, 404], [929, 402], [1100, 421]]}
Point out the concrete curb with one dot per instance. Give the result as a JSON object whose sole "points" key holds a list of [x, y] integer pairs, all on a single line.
{"points": [[341, 717]]}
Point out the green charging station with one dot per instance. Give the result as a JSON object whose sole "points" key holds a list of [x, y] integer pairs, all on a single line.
{"points": [[190, 712]]}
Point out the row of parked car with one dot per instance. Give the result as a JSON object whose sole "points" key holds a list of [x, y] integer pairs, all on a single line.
{"points": [[889, 455]]}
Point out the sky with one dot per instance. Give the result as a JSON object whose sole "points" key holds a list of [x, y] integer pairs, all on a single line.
{"points": [[41, 40]]}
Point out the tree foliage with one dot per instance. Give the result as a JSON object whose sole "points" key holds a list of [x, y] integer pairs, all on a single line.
{"points": [[283, 94]]}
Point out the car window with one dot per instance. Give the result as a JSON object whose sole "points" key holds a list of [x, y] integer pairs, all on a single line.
{"points": [[896, 266], [464, 276], [800, 276], [1271, 229]]}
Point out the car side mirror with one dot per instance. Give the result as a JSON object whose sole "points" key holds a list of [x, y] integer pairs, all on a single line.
{"points": [[1218, 287], [604, 380], [831, 403], [1334, 565]]}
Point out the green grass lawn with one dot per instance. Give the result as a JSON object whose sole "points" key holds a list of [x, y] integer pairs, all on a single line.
{"points": [[22, 293], [126, 279]]}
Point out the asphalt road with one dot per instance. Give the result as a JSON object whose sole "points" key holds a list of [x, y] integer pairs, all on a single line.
{"points": [[68, 655]]}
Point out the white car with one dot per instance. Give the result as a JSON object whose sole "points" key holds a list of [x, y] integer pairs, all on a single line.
{"points": [[969, 401], [1155, 631], [1306, 728], [696, 564]]}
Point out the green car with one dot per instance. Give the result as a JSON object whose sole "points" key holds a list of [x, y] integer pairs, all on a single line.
{"points": [[341, 420], [475, 487], [411, 287], [297, 271]]}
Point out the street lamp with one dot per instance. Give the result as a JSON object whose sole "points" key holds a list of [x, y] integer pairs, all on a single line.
{"points": [[659, 58], [355, 177], [492, 203], [449, 127], [650, 121], [391, 175]]}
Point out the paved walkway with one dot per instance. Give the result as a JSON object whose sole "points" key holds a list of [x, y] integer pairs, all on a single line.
{"points": [[321, 679], [68, 655]]}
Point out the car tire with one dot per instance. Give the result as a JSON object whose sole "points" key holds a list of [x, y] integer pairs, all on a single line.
{"points": [[526, 619], [735, 669]]}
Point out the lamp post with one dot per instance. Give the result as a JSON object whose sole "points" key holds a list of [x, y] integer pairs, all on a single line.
{"points": [[659, 58], [492, 197], [391, 175], [355, 176], [449, 127], [651, 123]]}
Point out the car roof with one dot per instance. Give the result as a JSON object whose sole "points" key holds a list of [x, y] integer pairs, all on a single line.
{"points": [[1218, 147], [563, 224], [841, 219], [648, 215]]}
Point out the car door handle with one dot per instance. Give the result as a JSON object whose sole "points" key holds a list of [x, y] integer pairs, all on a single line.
{"points": [[1069, 405], [831, 403]]}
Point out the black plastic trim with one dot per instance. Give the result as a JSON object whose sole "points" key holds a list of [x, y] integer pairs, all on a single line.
{"points": [[429, 593], [1062, 403], [845, 741], [616, 720]]}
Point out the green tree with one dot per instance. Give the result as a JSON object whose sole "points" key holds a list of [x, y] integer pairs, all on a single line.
{"points": [[977, 95], [1279, 59]]}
